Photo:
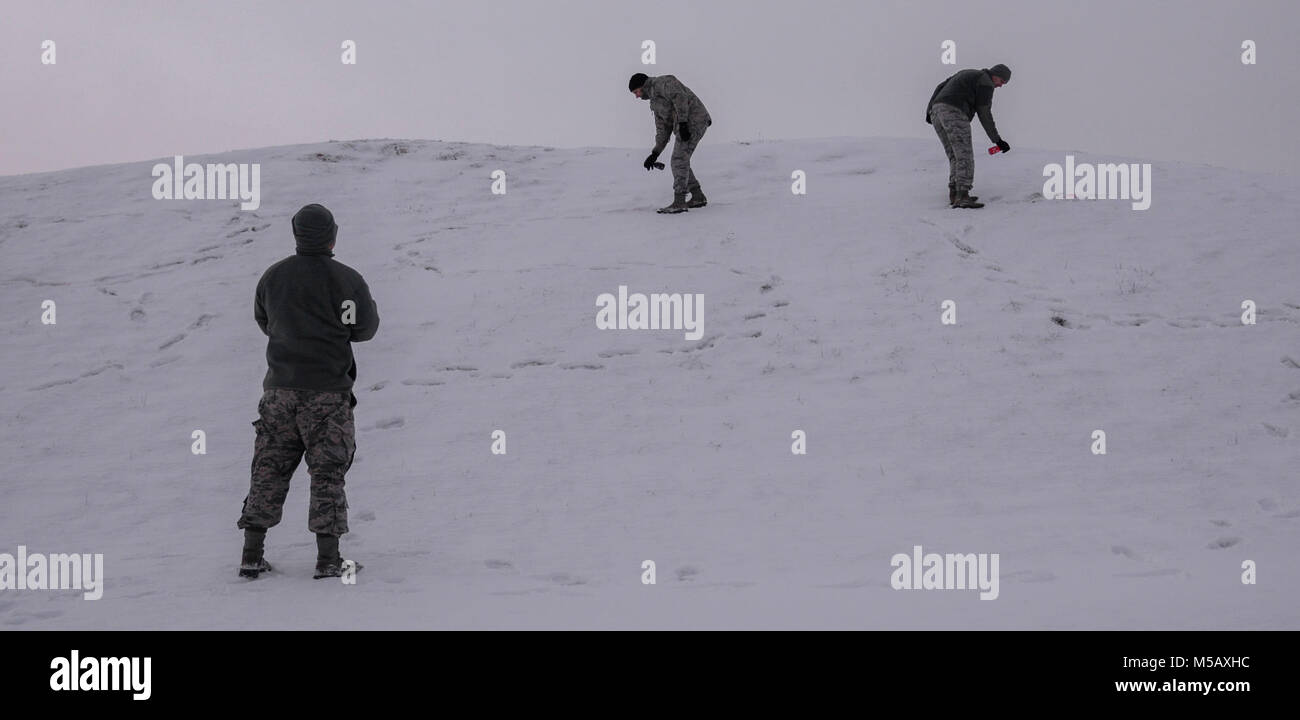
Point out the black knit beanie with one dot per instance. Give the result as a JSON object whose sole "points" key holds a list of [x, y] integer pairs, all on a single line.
{"points": [[314, 229], [636, 81], [1001, 71]]}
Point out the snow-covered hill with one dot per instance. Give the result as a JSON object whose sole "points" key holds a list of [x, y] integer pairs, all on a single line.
{"points": [[822, 314]]}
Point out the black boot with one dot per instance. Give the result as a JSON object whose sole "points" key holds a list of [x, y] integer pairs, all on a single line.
{"points": [[952, 195], [697, 199], [678, 206], [252, 564], [336, 569], [964, 200], [328, 561], [327, 549]]}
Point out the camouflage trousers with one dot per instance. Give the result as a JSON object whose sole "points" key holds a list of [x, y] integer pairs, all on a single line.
{"points": [[683, 177], [953, 129], [292, 424]]}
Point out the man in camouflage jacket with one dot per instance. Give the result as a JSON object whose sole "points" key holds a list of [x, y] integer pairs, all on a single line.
{"points": [[677, 109]]}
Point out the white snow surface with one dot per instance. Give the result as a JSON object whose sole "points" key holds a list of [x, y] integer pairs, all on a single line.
{"points": [[822, 314]]}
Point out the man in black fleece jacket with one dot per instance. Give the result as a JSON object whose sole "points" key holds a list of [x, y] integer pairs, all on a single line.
{"points": [[954, 103], [312, 308]]}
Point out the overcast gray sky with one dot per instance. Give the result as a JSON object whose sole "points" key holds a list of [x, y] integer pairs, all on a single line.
{"points": [[1141, 79]]}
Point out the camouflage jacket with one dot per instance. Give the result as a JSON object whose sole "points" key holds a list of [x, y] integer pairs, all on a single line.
{"points": [[673, 103]]}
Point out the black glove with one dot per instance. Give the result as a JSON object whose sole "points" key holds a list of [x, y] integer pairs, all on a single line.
{"points": [[1003, 146], [684, 132], [650, 160]]}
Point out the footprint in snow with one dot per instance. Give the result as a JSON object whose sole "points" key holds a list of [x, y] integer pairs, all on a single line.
{"points": [[531, 363], [1276, 431], [172, 341], [1122, 550]]}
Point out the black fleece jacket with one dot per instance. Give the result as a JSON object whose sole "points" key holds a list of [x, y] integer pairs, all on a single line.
{"points": [[970, 91], [300, 306]]}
